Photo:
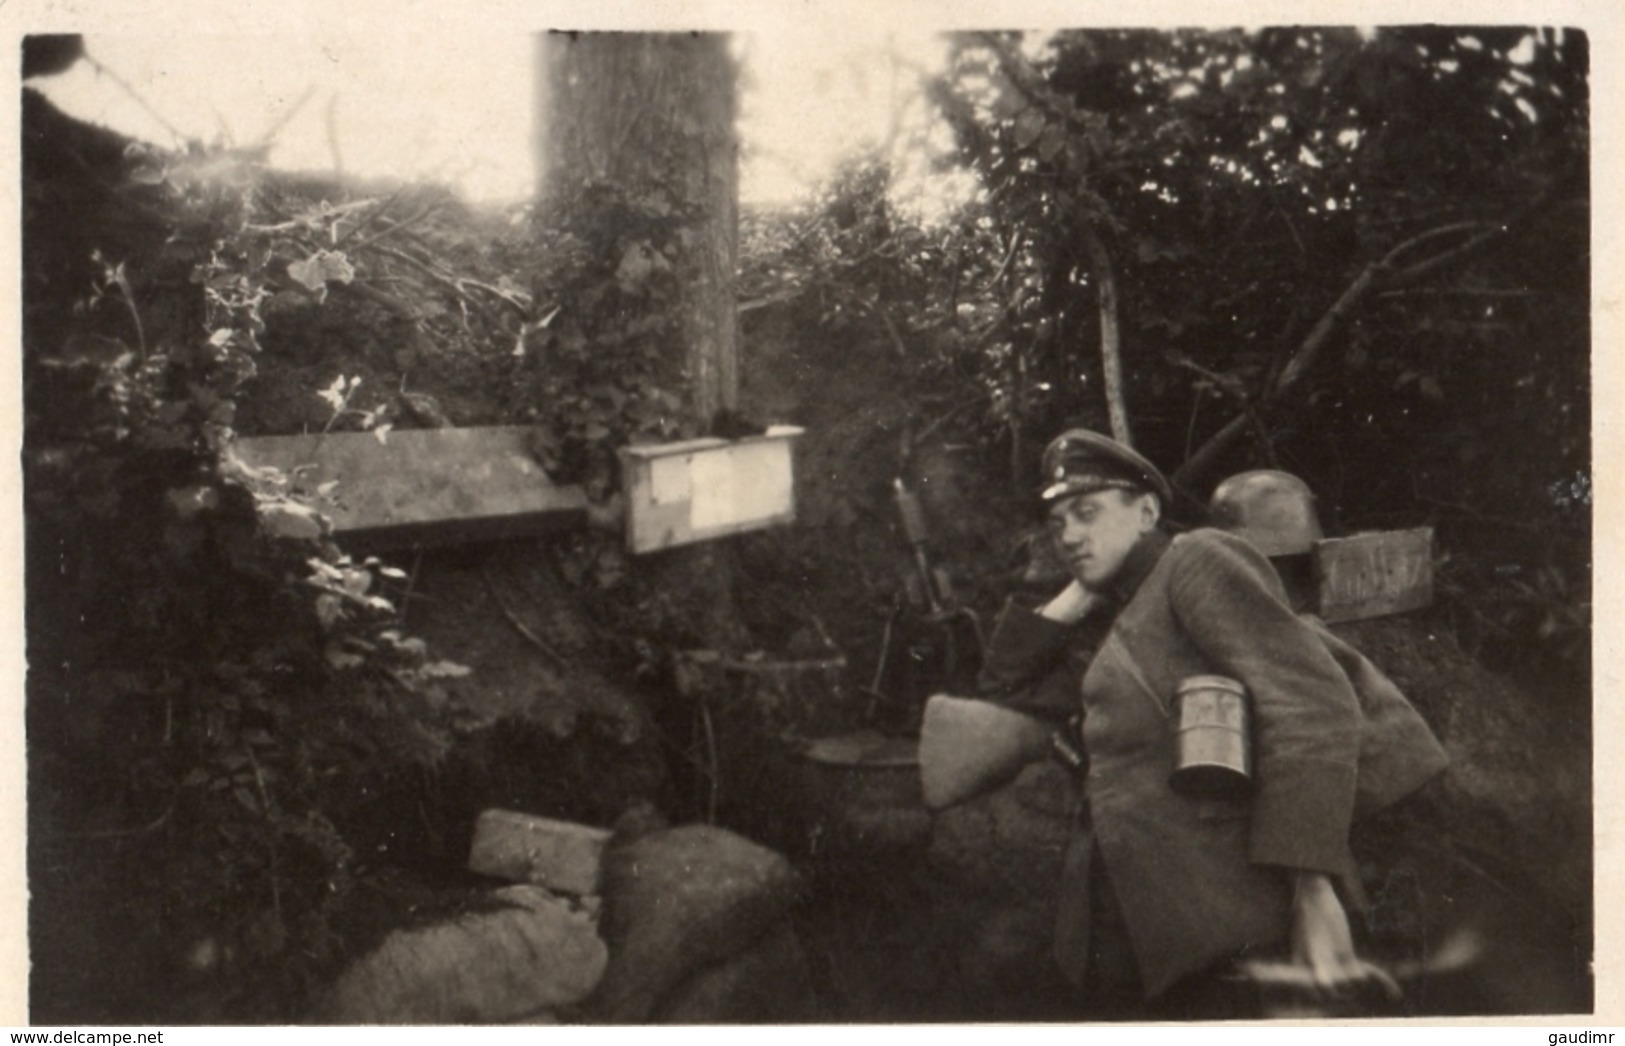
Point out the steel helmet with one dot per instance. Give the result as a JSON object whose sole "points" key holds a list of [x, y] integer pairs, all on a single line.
{"points": [[1275, 511]]}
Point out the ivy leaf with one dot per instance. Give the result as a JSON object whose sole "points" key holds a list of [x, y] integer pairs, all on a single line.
{"points": [[1029, 126], [321, 570], [189, 501], [316, 271], [507, 286], [282, 519], [246, 797], [413, 646], [1051, 143], [446, 670], [636, 265], [338, 394], [146, 164], [342, 660], [1007, 102], [329, 609]]}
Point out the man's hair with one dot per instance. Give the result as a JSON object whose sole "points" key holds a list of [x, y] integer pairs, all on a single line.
{"points": [[1130, 495], [1124, 495]]}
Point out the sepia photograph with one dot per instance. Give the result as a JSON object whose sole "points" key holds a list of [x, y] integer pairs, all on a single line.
{"points": [[990, 515]]}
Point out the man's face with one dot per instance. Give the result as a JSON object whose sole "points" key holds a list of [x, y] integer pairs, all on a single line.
{"points": [[1095, 532]]}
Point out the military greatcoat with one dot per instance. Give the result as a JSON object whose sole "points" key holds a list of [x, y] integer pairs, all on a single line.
{"points": [[1202, 880]]}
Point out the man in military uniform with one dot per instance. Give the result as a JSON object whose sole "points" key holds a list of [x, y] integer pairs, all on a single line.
{"points": [[1163, 890]]}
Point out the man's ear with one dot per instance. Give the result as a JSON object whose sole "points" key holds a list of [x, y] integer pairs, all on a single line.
{"points": [[1150, 511]]}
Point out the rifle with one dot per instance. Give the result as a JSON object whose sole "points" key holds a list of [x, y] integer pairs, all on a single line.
{"points": [[927, 600]]}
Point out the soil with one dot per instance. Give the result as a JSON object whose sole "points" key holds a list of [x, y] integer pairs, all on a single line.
{"points": [[572, 715]]}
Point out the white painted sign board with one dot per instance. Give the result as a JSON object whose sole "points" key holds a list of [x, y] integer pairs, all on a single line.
{"points": [[680, 493]]}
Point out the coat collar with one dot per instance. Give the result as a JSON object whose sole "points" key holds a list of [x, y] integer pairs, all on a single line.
{"points": [[1137, 566]]}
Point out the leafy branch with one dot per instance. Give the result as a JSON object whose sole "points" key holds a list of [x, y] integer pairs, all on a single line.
{"points": [[1032, 85]]}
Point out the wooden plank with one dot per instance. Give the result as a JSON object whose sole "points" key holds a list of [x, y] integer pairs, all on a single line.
{"points": [[424, 486], [680, 493], [1370, 575]]}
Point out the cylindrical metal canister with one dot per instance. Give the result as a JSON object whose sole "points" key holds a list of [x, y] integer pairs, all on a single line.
{"points": [[1212, 746]]}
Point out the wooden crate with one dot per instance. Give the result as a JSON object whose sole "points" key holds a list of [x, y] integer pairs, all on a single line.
{"points": [[1370, 575], [680, 493], [424, 486]]}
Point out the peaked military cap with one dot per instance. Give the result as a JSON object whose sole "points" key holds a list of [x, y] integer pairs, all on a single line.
{"points": [[1079, 461]]}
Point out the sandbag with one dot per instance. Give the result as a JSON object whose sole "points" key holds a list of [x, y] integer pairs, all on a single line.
{"points": [[769, 984], [676, 901], [494, 967], [970, 747]]}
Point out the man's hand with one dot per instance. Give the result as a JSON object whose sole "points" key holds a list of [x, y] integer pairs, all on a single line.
{"points": [[1323, 945], [1071, 606]]}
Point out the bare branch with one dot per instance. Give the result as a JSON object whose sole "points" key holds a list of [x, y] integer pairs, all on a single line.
{"points": [[332, 121], [513, 619], [389, 301], [1459, 292], [1439, 261], [776, 298], [1380, 273], [377, 215], [282, 121], [1442, 232], [1309, 351], [891, 329], [1232, 385], [137, 97], [1030, 81], [428, 270], [392, 228], [507, 296], [1009, 256]]}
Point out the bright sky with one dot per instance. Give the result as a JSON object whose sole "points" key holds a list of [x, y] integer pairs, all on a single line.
{"points": [[458, 108]]}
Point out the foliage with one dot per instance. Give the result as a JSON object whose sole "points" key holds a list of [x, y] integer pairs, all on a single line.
{"points": [[596, 372], [1310, 275], [851, 262], [1308, 264], [213, 682], [220, 697]]}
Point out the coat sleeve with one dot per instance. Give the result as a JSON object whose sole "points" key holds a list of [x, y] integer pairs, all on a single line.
{"points": [[1306, 715], [1028, 664], [1398, 750]]}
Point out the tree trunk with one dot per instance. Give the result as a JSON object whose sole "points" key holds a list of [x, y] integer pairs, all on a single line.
{"points": [[652, 115], [638, 163], [1111, 349]]}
